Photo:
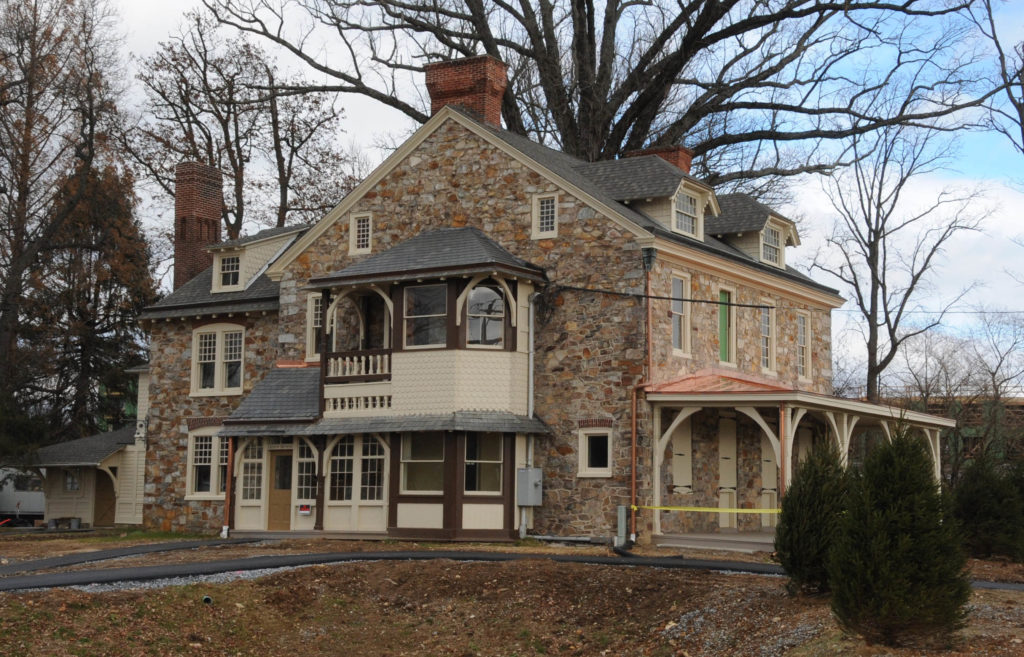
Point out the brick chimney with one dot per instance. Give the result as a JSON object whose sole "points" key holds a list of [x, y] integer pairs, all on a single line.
{"points": [[476, 84], [677, 156], [198, 201]]}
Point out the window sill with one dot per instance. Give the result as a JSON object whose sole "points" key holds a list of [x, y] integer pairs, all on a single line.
{"points": [[769, 372], [726, 363], [679, 353], [204, 497], [477, 494], [227, 288], [544, 236], [230, 392], [595, 474], [352, 251]]}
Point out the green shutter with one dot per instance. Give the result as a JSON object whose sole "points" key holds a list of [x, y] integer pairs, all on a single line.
{"points": [[723, 327]]}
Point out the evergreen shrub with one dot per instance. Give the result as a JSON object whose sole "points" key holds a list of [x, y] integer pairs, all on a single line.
{"points": [[990, 509], [896, 567]]}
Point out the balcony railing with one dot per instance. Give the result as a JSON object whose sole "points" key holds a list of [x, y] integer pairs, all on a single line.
{"points": [[358, 366]]}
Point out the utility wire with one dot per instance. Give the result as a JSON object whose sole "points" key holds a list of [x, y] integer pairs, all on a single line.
{"points": [[637, 295]]}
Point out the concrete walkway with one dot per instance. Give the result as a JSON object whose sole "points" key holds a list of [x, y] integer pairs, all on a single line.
{"points": [[147, 573]]}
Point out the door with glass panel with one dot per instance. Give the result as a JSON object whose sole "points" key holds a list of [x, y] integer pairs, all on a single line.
{"points": [[355, 499]]}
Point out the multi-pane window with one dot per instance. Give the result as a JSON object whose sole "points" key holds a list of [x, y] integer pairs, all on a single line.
{"points": [[686, 214], [803, 365], [342, 469], [422, 461], [230, 270], [771, 245], [483, 462], [316, 324], [486, 310], [72, 481], [426, 315], [218, 360], [209, 464], [545, 216], [372, 479], [766, 339], [306, 466], [252, 471], [361, 233], [595, 453], [680, 317], [725, 327]]}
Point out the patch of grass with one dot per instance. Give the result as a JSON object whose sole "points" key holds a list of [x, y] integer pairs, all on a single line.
{"points": [[145, 535]]}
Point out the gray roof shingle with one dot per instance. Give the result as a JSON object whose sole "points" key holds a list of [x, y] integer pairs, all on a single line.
{"points": [[88, 451], [284, 394], [458, 421], [447, 250], [646, 176], [266, 233], [740, 214], [196, 297]]}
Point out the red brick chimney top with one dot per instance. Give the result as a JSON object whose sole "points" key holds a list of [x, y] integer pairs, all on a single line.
{"points": [[475, 83], [677, 156], [198, 201]]}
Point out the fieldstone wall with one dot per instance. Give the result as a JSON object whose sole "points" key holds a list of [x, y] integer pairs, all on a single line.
{"points": [[590, 347], [172, 408]]}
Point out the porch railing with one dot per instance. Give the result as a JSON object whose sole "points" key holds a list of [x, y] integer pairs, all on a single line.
{"points": [[358, 366]]}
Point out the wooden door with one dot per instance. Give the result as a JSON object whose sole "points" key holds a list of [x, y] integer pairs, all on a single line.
{"points": [[279, 500], [105, 501]]}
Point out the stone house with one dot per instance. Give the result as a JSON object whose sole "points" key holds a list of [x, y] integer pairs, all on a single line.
{"points": [[489, 337]]}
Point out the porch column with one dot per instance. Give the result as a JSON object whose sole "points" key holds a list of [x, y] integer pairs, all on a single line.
{"points": [[659, 452], [229, 489], [933, 437], [842, 427], [789, 419], [320, 443]]}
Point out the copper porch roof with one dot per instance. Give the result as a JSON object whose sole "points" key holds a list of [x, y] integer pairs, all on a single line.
{"points": [[716, 381]]}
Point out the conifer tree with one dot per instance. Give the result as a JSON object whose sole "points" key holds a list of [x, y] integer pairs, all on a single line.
{"points": [[896, 567], [990, 510], [807, 524]]}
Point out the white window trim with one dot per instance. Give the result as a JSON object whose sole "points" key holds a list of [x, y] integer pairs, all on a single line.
{"points": [[700, 203], [311, 354], [536, 232], [686, 348], [584, 437], [240, 460], [807, 376], [215, 448], [77, 474], [732, 333], [220, 330], [353, 221], [773, 339], [781, 264], [217, 286]]}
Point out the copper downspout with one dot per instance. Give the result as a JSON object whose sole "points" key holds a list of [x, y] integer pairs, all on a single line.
{"points": [[636, 389], [782, 449]]}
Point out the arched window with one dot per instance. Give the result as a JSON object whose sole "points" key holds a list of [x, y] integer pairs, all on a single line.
{"points": [[486, 316]]}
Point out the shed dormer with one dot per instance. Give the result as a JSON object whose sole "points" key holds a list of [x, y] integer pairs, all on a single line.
{"points": [[754, 228]]}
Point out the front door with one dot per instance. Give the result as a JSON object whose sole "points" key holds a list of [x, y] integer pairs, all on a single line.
{"points": [[105, 501], [279, 503]]}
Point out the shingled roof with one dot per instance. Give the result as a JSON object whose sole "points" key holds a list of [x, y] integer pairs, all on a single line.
{"points": [[85, 452], [459, 421], [740, 214], [264, 234], [642, 177], [286, 394], [449, 251], [196, 297]]}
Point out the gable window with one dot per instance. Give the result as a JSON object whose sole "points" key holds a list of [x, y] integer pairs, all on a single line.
{"points": [[680, 314], [230, 271], [360, 234], [217, 360], [207, 463], [595, 453], [726, 328], [803, 350], [483, 462], [767, 340], [426, 315], [686, 218], [422, 462], [545, 216], [486, 321], [771, 245]]}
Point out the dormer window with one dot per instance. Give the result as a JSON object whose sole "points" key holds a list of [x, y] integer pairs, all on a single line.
{"points": [[230, 271], [771, 246], [686, 219]]}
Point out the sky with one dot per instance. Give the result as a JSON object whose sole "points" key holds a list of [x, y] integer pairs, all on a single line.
{"points": [[985, 261]]}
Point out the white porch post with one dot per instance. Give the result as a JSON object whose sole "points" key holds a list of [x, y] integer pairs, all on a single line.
{"points": [[842, 427], [659, 452], [932, 437]]}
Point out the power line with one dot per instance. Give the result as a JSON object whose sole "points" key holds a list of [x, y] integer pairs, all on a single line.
{"points": [[943, 312], [637, 295]]}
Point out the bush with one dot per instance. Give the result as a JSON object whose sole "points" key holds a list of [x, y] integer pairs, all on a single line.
{"points": [[990, 510], [896, 567], [810, 511]]}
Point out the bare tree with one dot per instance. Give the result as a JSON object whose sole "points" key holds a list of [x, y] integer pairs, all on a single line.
{"points": [[884, 246], [756, 89], [218, 101], [998, 360], [1007, 107]]}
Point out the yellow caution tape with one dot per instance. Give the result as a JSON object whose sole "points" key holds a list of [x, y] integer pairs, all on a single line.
{"points": [[707, 509]]}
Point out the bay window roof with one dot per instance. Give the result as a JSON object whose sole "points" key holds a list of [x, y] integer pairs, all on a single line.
{"points": [[444, 252]]}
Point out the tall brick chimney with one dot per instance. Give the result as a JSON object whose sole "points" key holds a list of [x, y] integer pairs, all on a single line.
{"points": [[677, 156], [198, 201], [475, 83]]}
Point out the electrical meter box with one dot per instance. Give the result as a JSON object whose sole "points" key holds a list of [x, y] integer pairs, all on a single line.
{"points": [[528, 486]]}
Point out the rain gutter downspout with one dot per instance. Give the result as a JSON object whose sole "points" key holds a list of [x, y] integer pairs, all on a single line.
{"points": [[229, 489], [529, 405], [648, 256]]}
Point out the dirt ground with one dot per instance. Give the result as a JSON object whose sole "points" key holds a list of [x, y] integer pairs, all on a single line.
{"points": [[533, 607]]}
